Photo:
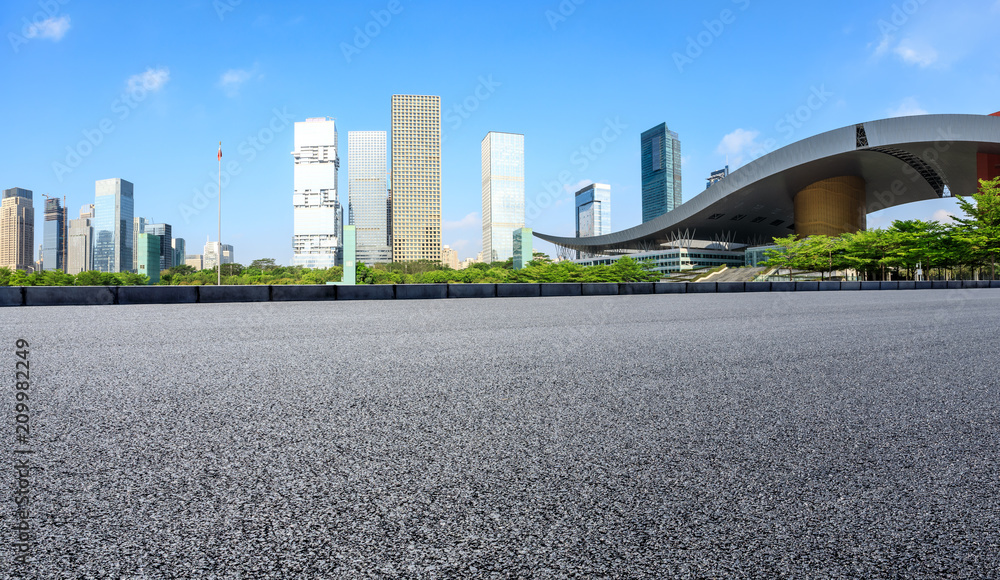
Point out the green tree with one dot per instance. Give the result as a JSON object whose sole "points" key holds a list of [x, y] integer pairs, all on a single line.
{"points": [[263, 264], [980, 228]]}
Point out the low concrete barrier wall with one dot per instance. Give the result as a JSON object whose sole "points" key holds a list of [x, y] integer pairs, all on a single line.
{"points": [[518, 290], [472, 290], [108, 295], [11, 296], [218, 294], [299, 293], [366, 292], [70, 295], [157, 294], [421, 291], [598, 289], [561, 289]]}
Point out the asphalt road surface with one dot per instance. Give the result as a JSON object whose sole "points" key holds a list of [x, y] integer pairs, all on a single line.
{"points": [[806, 435]]}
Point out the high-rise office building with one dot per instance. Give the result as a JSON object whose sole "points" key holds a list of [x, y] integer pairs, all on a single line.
{"points": [[138, 228], [368, 193], [717, 176], [163, 231], [661, 172], [87, 211], [211, 256], [113, 226], [503, 193], [17, 230], [449, 257], [54, 235], [593, 212], [416, 178], [149, 257], [79, 254], [179, 247], [318, 216], [196, 261]]}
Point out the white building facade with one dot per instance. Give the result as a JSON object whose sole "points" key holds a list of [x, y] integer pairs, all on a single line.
{"points": [[317, 240]]}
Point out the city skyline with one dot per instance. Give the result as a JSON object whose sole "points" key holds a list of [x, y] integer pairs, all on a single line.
{"points": [[874, 62]]}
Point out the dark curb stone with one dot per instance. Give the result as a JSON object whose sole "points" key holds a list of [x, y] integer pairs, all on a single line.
{"points": [[599, 289], [518, 290], [806, 286], [157, 294], [472, 290], [888, 286], [219, 294], [829, 285], [923, 285], [904, 285], [630, 288], [871, 285], [702, 288], [366, 292], [318, 292], [670, 288], [782, 286], [11, 296], [757, 287], [850, 285], [70, 295], [730, 287], [561, 289], [421, 291]]}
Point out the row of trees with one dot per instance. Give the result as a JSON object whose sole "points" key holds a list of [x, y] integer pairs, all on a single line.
{"points": [[542, 269], [969, 245], [10, 277]]}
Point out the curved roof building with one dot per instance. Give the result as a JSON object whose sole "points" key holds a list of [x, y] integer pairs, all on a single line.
{"points": [[826, 184]]}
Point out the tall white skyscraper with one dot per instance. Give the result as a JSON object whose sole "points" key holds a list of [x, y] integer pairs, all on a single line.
{"points": [[318, 217], [367, 186], [503, 193], [593, 212], [416, 178]]}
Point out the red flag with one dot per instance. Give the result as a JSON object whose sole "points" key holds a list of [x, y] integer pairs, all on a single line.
{"points": [[220, 150]]}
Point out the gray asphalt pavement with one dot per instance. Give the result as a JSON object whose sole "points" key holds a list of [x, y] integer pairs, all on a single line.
{"points": [[806, 435]]}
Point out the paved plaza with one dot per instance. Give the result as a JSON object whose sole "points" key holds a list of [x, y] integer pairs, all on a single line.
{"points": [[805, 435]]}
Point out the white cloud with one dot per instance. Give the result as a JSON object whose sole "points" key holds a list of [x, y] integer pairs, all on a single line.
{"points": [[738, 144], [916, 53], [943, 216], [51, 29], [469, 221], [883, 46], [233, 79], [573, 188], [908, 108], [152, 80]]}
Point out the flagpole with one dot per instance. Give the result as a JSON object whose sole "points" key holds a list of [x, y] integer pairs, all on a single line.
{"points": [[219, 251]]}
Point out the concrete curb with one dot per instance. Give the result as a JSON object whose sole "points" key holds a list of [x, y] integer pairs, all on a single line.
{"points": [[472, 290], [157, 294], [108, 295], [70, 295], [421, 291], [316, 292]]}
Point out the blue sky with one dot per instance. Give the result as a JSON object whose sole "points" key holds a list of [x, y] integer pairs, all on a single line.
{"points": [[145, 91]]}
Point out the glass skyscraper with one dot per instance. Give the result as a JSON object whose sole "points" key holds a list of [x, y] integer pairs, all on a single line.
{"points": [[368, 191], [164, 231], [318, 216], [54, 236], [503, 193], [416, 178], [113, 225], [593, 212], [661, 172]]}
